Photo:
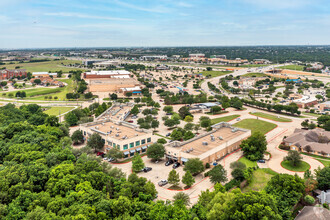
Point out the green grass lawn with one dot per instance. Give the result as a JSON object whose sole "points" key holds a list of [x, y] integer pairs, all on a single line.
{"points": [[53, 65], [215, 73], [248, 162], [40, 93], [58, 110], [254, 65], [254, 75], [225, 119], [259, 180], [256, 125], [303, 166], [271, 117], [292, 67], [311, 114]]}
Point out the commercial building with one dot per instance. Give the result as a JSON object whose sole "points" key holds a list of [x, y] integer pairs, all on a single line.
{"points": [[121, 135], [261, 61], [318, 139], [43, 74], [8, 74], [313, 212], [107, 74], [219, 56], [209, 147], [89, 62], [154, 57], [305, 101], [201, 55], [325, 106], [105, 64]]}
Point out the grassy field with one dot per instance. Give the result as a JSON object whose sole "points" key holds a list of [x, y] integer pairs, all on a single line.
{"points": [[225, 119], [247, 162], [303, 166], [271, 117], [54, 65], [292, 67], [40, 93], [311, 114], [254, 65], [215, 73], [259, 180], [256, 125], [254, 75], [58, 110]]}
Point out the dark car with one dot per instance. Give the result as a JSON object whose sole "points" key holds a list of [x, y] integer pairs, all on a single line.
{"points": [[169, 162], [261, 161], [176, 165], [162, 183], [169, 113], [146, 169]]}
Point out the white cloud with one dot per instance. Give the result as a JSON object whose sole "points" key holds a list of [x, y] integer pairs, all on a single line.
{"points": [[280, 4], [157, 9], [80, 15]]}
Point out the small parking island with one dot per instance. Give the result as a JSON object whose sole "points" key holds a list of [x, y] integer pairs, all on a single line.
{"points": [[300, 167]]}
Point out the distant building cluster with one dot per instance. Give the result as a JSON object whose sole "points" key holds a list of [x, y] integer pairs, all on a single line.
{"points": [[8, 74]]}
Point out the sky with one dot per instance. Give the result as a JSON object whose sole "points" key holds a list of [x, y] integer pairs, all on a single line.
{"points": [[148, 23]]}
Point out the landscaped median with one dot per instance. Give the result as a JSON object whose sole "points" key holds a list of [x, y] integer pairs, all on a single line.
{"points": [[224, 119], [302, 166], [58, 110], [270, 117]]}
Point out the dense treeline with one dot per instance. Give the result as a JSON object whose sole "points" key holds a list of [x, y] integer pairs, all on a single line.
{"points": [[42, 177], [184, 98]]}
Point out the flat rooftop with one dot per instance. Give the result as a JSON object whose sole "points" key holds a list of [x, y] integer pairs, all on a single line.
{"points": [[109, 72], [116, 131], [221, 136]]}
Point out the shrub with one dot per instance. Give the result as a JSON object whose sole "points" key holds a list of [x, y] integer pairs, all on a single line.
{"points": [[325, 205], [207, 165], [231, 184], [309, 200]]}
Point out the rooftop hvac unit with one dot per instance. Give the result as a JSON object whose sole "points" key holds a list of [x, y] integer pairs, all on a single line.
{"points": [[136, 135], [212, 137], [112, 126], [220, 137], [204, 143], [117, 135], [117, 129], [102, 123], [97, 127]]}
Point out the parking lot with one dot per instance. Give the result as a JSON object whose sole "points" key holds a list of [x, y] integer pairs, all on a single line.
{"points": [[160, 171]]}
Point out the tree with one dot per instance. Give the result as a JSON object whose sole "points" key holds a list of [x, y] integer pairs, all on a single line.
{"points": [[225, 105], [173, 178], [194, 166], [135, 110], [168, 109], [188, 179], [71, 119], [323, 178], [238, 104], [189, 126], [305, 123], [95, 142], [209, 68], [113, 96], [308, 149], [255, 146], [237, 165], [188, 135], [161, 141], [77, 137], [309, 200], [115, 154], [294, 158], [196, 127], [37, 81], [156, 151], [205, 121], [137, 163], [128, 94], [184, 111], [235, 83], [154, 124], [215, 109], [287, 190], [170, 123], [188, 118], [52, 121], [218, 174], [311, 126], [238, 174], [319, 97], [182, 197]]}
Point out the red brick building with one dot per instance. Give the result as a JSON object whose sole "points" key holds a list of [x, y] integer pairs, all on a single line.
{"points": [[8, 74]]}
